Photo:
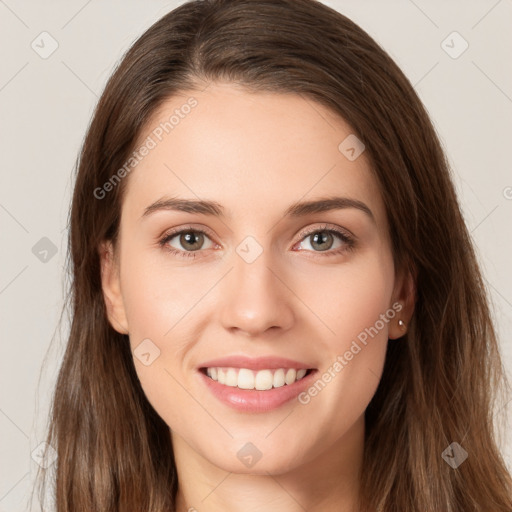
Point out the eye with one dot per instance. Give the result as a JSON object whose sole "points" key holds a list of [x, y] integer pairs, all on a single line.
{"points": [[322, 240], [189, 241]]}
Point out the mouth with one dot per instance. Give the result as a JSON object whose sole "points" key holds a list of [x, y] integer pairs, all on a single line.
{"points": [[259, 390], [259, 380]]}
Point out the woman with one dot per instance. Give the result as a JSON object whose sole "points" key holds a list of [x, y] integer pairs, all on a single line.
{"points": [[221, 357]]}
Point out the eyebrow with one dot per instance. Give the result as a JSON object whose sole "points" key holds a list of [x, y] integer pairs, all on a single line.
{"points": [[298, 209]]}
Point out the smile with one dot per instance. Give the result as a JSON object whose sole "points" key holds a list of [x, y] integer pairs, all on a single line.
{"points": [[261, 380]]}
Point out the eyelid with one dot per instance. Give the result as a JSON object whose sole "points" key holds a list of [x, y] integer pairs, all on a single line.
{"points": [[187, 227], [326, 226], [344, 234], [302, 234]]}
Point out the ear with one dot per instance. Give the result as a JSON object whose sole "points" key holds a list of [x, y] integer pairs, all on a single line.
{"points": [[110, 283], [404, 294]]}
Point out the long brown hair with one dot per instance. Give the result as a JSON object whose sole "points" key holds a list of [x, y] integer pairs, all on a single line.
{"points": [[440, 382]]}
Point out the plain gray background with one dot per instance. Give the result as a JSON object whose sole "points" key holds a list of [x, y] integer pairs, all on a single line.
{"points": [[45, 107]]}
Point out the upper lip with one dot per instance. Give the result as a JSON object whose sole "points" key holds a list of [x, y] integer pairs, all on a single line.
{"points": [[254, 363]]}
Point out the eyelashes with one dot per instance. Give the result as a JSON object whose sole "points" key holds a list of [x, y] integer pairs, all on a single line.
{"points": [[347, 241], [164, 242]]}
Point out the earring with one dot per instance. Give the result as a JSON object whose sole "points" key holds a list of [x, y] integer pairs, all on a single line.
{"points": [[401, 324]]}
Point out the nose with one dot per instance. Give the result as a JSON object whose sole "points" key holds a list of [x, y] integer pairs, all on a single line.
{"points": [[256, 297]]}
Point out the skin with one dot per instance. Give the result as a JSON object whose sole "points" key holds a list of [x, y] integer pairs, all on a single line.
{"points": [[256, 154]]}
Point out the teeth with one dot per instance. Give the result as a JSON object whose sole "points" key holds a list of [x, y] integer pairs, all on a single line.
{"points": [[291, 375], [279, 378], [261, 380], [245, 379], [231, 377]]}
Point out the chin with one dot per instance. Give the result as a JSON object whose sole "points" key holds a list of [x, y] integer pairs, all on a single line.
{"points": [[274, 464]]}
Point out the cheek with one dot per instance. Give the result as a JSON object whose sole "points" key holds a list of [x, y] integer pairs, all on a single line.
{"points": [[155, 302], [156, 296], [349, 299], [164, 303], [353, 304]]}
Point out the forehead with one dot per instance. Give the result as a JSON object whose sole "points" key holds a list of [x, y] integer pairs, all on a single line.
{"points": [[251, 152]]}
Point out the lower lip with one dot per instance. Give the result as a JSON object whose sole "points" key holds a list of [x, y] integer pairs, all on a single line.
{"points": [[252, 400]]}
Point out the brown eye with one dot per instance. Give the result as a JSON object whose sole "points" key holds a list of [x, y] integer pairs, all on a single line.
{"points": [[186, 242], [327, 239], [191, 240], [322, 240]]}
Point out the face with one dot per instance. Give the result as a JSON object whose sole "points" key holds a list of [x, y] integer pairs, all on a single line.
{"points": [[252, 289]]}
